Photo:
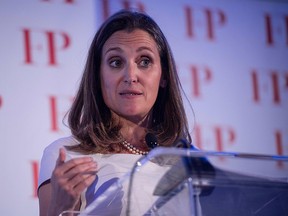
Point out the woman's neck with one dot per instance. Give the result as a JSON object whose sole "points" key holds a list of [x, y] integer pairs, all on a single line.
{"points": [[134, 130], [133, 134]]}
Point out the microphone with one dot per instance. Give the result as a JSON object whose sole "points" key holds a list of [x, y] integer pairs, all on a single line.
{"points": [[151, 140]]}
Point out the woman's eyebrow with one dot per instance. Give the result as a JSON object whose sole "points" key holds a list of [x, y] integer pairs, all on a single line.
{"points": [[113, 49], [145, 48], [139, 49]]}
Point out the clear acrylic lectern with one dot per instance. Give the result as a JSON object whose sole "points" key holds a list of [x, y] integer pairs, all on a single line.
{"points": [[174, 181]]}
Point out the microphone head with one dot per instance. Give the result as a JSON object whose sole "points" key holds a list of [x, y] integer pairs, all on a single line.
{"points": [[151, 140]]}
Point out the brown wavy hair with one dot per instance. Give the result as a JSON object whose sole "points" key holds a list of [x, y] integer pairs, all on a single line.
{"points": [[89, 118]]}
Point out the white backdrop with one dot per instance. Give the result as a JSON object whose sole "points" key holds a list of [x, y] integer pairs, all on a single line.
{"points": [[232, 58]]}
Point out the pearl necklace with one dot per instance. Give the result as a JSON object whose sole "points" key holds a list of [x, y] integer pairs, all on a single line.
{"points": [[133, 149]]}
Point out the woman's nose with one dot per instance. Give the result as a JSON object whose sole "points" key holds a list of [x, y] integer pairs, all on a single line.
{"points": [[131, 75]]}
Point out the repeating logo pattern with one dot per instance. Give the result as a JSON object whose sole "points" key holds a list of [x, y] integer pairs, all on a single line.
{"points": [[234, 70]]}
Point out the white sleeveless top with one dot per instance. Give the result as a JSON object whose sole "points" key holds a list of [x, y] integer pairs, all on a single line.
{"points": [[112, 168]]}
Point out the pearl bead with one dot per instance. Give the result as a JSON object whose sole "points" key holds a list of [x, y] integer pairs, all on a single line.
{"points": [[133, 149]]}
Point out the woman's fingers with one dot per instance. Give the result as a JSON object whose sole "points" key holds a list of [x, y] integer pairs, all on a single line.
{"points": [[61, 157], [87, 181], [82, 180], [72, 167], [69, 179], [76, 173], [79, 165], [82, 175]]}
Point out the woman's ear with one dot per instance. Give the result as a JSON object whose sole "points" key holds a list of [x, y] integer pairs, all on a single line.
{"points": [[163, 83]]}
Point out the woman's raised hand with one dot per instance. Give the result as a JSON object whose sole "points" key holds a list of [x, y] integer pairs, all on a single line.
{"points": [[69, 179]]}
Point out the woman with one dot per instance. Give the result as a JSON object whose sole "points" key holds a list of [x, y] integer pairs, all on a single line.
{"points": [[129, 88]]}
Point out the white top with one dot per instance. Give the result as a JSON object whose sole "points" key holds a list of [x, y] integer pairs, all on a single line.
{"points": [[106, 163], [112, 169]]}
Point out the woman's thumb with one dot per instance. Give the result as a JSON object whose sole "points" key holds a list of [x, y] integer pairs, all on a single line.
{"points": [[61, 157]]}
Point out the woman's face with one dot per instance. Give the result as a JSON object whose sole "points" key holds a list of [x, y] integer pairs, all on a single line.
{"points": [[130, 73]]}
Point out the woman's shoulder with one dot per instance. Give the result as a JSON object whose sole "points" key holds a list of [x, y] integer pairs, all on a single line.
{"points": [[62, 142], [50, 156]]}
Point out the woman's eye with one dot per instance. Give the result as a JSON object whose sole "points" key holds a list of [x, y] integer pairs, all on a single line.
{"points": [[116, 63], [145, 62]]}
